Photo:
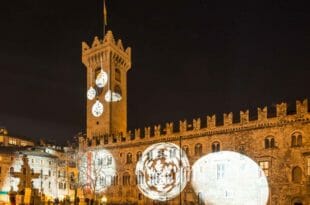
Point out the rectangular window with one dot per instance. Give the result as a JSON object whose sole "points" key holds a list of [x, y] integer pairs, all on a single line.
{"points": [[12, 141], [117, 75], [264, 165], [220, 171]]}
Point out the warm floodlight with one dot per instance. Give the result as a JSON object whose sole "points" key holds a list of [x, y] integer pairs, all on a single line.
{"points": [[162, 171], [229, 178], [96, 170]]}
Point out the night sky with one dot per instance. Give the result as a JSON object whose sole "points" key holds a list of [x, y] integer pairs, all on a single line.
{"points": [[190, 59]]}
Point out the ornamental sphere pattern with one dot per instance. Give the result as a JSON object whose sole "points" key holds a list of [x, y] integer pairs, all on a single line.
{"points": [[163, 171]]}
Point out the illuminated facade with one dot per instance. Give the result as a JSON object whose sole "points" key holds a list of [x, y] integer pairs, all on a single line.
{"points": [[279, 143], [48, 172]]}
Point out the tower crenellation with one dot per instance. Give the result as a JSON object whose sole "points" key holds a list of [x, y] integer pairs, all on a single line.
{"points": [[262, 114], [228, 119], [281, 109]]}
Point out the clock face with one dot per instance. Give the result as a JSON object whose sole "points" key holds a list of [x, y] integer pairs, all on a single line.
{"points": [[91, 93], [102, 79], [112, 96], [97, 109]]}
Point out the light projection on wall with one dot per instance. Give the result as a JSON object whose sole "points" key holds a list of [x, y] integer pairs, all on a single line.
{"points": [[102, 79], [229, 178], [37, 170], [91, 93], [162, 171], [97, 109], [112, 96], [96, 171]]}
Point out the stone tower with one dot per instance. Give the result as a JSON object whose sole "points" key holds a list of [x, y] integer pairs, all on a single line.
{"points": [[107, 63]]}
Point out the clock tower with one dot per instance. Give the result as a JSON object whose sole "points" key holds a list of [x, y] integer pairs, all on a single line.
{"points": [[107, 63]]}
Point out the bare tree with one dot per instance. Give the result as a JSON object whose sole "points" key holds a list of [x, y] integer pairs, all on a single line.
{"points": [[96, 172]]}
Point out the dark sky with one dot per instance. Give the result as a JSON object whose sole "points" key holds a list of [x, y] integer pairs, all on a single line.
{"points": [[190, 58]]}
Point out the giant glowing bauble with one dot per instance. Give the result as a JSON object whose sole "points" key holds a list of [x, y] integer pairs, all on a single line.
{"points": [[96, 170], [163, 171], [91, 93], [112, 96], [97, 109], [229, 178], [102, 79]]}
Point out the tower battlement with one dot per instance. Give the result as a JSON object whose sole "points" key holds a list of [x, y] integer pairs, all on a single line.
{"points": [[211, 125], [99, 49]]}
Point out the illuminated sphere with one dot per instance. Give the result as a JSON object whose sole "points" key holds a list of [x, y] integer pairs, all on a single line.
{"points": [[112, 96], [91, 93], [162, 171], [96, 170], [97, 109], [229, 178], [101, 79]]}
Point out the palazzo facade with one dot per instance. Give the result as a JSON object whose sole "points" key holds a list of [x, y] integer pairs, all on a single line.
{"points": [[279, 143]]}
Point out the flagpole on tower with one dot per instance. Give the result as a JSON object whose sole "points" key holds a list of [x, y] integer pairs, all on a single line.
{"points": [[105, 20]]}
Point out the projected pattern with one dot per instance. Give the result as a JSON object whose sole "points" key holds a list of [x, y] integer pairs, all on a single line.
{"points": [[229, 178], [162, 171], [97, 170], [112, 96]]}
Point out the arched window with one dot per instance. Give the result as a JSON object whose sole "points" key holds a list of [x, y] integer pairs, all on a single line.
{"points": [[266, 143], [102, 181], [297, 201], [114, 180], [269, 142], [296, 174], [139, 155], [198, 149], [296, 139], [150, 155], [186, 150], [11, 169], [216, 147], [299, 140], [129, 158], [293, 141], [140, 178], [173, 152], [117, 75], [126, 179], [272, 143], [118, 90]]}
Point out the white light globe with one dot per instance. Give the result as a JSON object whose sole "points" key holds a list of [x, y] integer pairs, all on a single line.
{"points": [[97, 109], [112, 96], [101, 79], [229, 178], [91, 93], [163, 171]]}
